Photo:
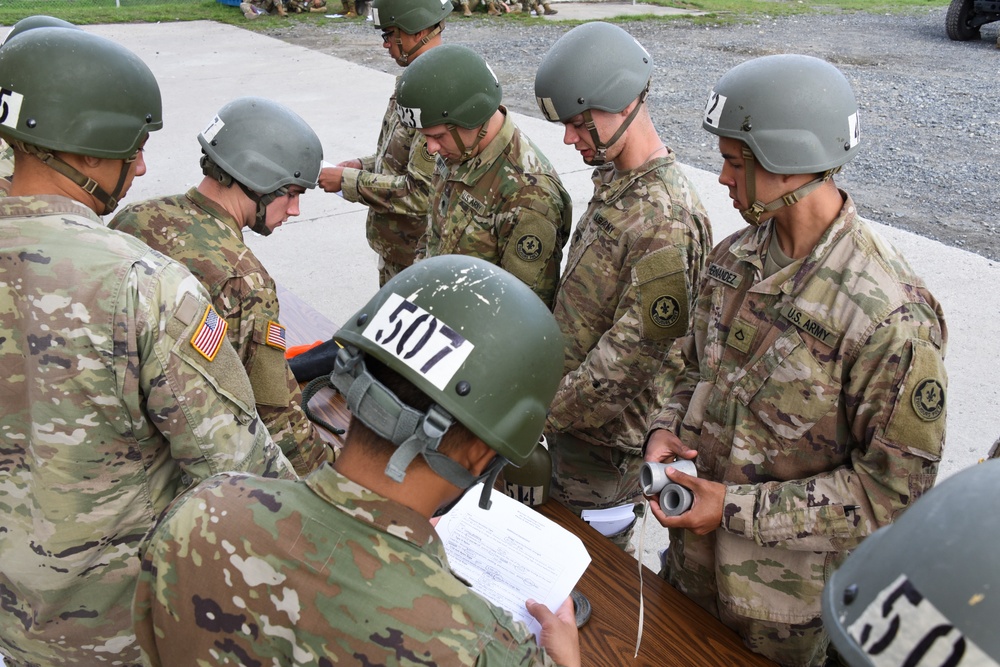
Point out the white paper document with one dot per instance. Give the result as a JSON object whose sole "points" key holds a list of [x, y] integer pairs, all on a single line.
{"points": [[610, 521], [510, 553]]}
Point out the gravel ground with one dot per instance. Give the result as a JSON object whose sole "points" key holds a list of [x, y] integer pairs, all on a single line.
{"points": [[929, 106]]}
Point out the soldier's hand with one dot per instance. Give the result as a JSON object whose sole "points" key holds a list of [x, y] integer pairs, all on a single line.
{"points": [[559, 636], [664, 447], [351, 164], [705, 514], [331, 178]]}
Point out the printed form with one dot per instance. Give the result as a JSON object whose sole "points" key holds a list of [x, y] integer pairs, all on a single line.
{"points": [[510, 553]]}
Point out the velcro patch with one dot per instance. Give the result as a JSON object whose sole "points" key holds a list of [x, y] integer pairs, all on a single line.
{"points": [[724, 276], [532, 239], [276, 336], [209, 334], [741, 335], [662, 293], [916, 420], [810, 325]]}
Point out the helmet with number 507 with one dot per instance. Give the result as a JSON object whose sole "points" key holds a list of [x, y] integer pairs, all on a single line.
{"points": [[470, 336], [924, 590]]}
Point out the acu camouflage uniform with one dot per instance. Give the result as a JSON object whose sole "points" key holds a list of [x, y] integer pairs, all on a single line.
{"points": [[505, 205], [196, 232], [817, 397], [316, 572], [634, 264], [107, 413], [395, 185], [6, 166]]}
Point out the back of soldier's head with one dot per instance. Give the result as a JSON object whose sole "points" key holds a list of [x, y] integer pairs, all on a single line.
{"points": [[924, 589], [261, 144], [448, 85], [72, 91], [594, 66], [410, 16]]}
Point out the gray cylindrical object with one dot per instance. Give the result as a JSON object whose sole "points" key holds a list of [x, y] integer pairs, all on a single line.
{"points": [[674, 498]]}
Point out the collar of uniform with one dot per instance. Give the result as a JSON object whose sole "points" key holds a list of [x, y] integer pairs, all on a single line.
{"points": [[470, 171], [213, 209], [35, 205], [371, 508], [610, 184]]}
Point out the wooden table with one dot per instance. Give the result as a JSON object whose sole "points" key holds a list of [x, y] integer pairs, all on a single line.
{"points": [[676, 631]]}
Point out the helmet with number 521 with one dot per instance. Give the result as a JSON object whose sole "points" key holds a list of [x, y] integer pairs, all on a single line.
{"points": [[476, 341]]}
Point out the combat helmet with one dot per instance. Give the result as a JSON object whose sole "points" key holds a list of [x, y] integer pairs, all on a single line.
{"points": [[450, 85], [794, 114], [410, 16], [263, 147], [67, 90], [923, 589], [476, 341], [36, 21], [576, 76]]}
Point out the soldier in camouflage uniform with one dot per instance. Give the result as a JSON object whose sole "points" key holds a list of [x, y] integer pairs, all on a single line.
{"points": [[395, 182], [6, 166], [118, 389], [813, 396], [258, 157], [344, 567], [495, 195], [634, 263]]}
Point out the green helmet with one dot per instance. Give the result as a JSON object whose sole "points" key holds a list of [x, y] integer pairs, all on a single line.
{"points": [[577, 74], [72, 91], [263, 145], [925, 586], [37, 21], [474, 339], [448, 85], [410, 16], [797, 113]]}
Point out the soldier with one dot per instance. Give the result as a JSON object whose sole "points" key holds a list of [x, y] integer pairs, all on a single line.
{"points": [[922, 590], [257, 158], [255, 8], [634, 263], [118, 387], [539, 7], [814, 389], [395, 182], [448, 372], [495, 194]]}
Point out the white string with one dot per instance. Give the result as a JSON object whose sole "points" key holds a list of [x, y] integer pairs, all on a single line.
{"points": [[642, 605]]}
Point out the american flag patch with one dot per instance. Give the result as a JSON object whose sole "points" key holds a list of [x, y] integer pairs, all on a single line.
{"points": [[276, 336], [208, 337]]}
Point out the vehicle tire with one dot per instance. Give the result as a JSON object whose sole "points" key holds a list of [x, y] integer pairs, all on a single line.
{"points": [[958, 23]]}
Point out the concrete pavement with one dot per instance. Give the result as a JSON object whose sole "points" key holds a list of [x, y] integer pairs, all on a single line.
{"points": [[323, 257]]}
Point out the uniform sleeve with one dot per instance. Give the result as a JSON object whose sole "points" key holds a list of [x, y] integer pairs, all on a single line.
{"points": [[653, 310], [193, 387], [895, 408], [536, 225], [250, 304], [406, 194]]}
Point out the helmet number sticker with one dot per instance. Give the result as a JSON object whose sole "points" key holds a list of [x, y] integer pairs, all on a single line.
{"points": [[375, 18], [409, 116], [902, 627], [10, 107], [855, 129], [418, 339], [713, 110], [213, 129]]}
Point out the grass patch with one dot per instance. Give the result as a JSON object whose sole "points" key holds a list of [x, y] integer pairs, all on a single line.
{"points": [[83, 12]]}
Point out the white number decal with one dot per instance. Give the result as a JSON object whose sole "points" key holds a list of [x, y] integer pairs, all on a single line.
{"points": [[418, 339], [713, 110], [10, 107], [409, 117]]}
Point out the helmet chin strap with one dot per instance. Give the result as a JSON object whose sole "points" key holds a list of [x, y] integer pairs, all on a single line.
{"points": [[470, 151], [414, 433], [89, 185], [404, 56], [601, 147], [758, 209], [262, 201]]}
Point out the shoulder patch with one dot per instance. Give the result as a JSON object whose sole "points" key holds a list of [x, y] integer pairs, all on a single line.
{"points": [[724, 276], [275, 336], [810, 325], [209, 334], [917, 421], [662, 293]]}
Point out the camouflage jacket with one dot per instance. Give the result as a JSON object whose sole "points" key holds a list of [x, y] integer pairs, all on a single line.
{"points": [[817, 397], [316, 572], [196, 232], [505, 205], [395, 185], [108, 411], [626, 294]]}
